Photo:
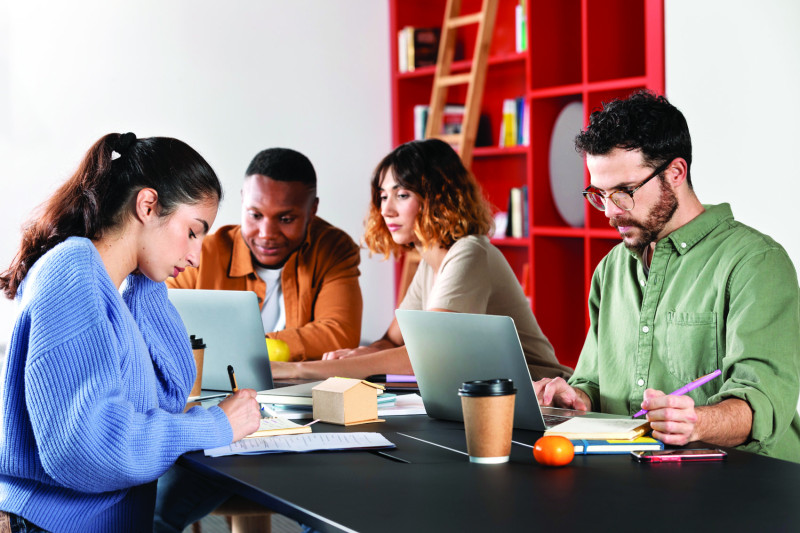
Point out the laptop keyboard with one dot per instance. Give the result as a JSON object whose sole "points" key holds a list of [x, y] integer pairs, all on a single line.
{"points": [[554, 420]]}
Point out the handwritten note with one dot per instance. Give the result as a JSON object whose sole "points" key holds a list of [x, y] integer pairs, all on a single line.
{"points": [[308, 442]]}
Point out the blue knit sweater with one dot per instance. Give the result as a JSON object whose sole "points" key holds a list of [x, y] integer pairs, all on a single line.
{"points": [[93, 389]]}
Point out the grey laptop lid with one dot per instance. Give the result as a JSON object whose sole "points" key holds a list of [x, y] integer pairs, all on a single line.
{"points": [[447, 349], [229, 322]]}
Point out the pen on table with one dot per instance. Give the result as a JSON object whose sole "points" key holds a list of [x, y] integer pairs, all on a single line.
{"points": [[232, 377], [689, 386]]}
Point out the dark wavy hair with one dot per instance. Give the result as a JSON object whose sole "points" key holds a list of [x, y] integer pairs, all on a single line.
{"points": [[644, 121], [452, 203], [101, 194]]}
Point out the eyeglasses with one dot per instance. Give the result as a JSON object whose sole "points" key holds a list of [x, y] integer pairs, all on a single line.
{"points": [[622, 198]]}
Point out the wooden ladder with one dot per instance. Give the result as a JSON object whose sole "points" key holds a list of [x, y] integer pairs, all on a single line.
{"points": [[475, 79]]}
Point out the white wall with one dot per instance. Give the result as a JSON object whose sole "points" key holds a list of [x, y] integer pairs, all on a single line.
{"points": [[232, 78], [229, 78], [733, 68]]}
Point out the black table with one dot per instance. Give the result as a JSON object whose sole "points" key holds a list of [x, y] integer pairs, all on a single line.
{"points": [[439, 490]]}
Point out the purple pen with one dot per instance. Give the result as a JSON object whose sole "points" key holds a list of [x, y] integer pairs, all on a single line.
{"points": [[689, 386]]}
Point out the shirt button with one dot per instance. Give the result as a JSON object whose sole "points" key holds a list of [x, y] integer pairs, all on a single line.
{"points": [[683, 245], [642, 282], [640, 382], [645, 329]]}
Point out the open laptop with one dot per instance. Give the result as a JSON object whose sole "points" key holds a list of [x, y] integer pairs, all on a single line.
{"points": [[447, 349], [229, 322]]}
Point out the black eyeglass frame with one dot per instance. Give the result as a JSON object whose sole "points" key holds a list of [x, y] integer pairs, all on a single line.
{"points": [[593, 191]]}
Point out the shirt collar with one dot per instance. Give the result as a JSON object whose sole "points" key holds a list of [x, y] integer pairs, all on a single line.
{"points": [[685, 237]]}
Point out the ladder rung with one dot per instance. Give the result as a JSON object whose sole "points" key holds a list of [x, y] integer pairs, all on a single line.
{"points": [[464, 20], [455, 79]]}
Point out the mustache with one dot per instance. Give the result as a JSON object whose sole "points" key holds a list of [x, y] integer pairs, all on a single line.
{"points": [[616, 222]]}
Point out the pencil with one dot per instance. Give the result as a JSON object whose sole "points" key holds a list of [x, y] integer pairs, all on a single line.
{"points": [[232, 377]]}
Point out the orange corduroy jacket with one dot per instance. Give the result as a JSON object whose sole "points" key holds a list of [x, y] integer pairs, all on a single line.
{"points": [[321, 293]]}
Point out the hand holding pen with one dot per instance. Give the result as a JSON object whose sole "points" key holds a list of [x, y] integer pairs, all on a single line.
{"points": [[673, 417], [686, 388], [241, 408]]}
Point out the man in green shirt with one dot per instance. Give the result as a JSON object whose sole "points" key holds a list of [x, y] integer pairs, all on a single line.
{"points": [[688, 291]]}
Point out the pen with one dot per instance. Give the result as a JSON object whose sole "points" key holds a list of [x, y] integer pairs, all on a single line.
{"points": [[232, 376], [689, 386]]}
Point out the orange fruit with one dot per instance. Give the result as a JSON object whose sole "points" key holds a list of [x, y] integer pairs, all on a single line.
{"points": [[553, 451], [278, 350]]}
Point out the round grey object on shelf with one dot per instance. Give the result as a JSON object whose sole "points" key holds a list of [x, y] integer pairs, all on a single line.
{"points": [[566, 165]]}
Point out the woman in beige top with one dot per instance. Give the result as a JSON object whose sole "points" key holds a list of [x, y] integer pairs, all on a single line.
{"points": [[424, 198]]}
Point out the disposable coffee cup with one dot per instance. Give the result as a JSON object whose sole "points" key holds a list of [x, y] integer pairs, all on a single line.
{"points": [[488, 407], [198, 350]]}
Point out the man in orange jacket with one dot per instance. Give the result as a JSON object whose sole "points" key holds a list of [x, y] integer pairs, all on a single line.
{"points": [[305, 274], [303, 270]]}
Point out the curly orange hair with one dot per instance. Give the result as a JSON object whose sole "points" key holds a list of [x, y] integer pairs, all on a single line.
{"points": [[453, 205]]}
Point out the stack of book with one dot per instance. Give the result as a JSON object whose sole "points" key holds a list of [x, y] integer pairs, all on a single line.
{"points": [[417, 47], [452, 119], [515, 126], [517, 222]]}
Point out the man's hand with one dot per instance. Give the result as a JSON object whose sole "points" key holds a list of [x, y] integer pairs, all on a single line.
{"points": [[243, 412], [672, 418], [555, 392]]}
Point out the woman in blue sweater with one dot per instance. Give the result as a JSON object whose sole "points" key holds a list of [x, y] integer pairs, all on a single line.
{"points": [[99, 364]]}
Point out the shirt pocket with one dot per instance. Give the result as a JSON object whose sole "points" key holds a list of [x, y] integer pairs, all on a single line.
{"points": [[691, 344]]}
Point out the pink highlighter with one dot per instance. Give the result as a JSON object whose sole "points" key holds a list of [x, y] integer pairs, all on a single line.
{"points": [[689, 386]]}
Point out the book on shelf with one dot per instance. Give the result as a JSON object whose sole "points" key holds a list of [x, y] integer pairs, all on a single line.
{"points": [[612, 446], [600, 428], [517, 217], [452, 119], [514, 126], [277, 425], [521, 26], [417, 47]]}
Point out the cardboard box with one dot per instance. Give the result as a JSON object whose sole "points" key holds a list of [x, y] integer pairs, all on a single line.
{"points": [[346, 401]]}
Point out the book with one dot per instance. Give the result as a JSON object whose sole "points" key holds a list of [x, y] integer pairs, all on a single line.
{"points": [[277, 425], [612, 446], [516, 218], [417, 47], [292, 395], [520, 27], [582, 427], [452, 119]]}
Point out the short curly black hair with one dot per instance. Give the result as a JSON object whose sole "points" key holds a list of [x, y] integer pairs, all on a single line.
{"points": [[644, 121]]}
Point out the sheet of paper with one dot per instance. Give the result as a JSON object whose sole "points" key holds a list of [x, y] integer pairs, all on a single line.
{"points": [[405, 404], [307, 442]]}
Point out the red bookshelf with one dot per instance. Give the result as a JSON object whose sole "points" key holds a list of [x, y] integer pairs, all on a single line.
{"points": [[587, 51]]}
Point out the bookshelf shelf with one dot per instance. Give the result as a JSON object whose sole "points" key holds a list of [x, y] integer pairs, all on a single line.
{"points": [[587, 51]]}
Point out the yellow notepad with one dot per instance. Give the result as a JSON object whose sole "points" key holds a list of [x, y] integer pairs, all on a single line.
{"points": [[277, 425], [601, 428]]}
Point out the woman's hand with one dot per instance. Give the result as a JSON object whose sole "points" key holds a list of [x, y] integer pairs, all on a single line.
{"points": [[243, 412], [344, 353]]}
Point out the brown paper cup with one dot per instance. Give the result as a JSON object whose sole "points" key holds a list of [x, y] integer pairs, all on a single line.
{"points": [[198, 362], [488, 422]]}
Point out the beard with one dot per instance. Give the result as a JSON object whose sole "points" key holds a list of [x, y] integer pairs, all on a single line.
{"points": [[649, 229]]}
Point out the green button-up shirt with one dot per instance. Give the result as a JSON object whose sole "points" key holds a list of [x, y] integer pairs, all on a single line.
{"points": [[718, 295]]}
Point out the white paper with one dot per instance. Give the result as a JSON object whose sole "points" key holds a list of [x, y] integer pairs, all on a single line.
{"points": [[306, 442]]}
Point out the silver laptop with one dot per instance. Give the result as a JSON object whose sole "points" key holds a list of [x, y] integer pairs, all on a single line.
{"points": [[447, 349], [229, 322]]}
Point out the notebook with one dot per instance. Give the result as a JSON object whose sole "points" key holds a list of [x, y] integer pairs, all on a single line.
{"points": [[447, 349], [229, 322]]}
